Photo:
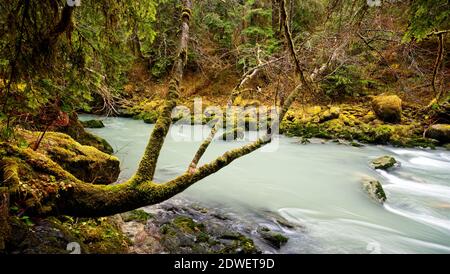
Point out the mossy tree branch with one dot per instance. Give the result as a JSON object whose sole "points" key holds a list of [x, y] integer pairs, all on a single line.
{"points": [[147, 166], [77, 198]]}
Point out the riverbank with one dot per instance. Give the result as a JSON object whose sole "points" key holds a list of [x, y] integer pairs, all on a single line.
{"points": [[380, 120]]}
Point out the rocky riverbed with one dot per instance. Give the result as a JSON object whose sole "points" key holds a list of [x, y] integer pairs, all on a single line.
{"points": [[176, 226]]}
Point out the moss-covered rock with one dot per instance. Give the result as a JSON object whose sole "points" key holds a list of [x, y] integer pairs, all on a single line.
{"points": [[388, 108], [93, 124], [85, 162], [383, 162], [440, 132], [53, 235], [76, 130], [374, 189], [329, 114], [149, 117], [137, 215], [273, 238]]}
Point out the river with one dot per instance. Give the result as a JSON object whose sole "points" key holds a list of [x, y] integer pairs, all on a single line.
{"points": [[317, 186]]}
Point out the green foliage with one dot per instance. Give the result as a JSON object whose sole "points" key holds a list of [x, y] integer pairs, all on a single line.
{"points": [[345, 81], [427, 16], [42, 72], [307, 14]]}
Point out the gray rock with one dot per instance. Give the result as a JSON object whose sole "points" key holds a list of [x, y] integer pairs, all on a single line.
{"points": [[273, 238]]}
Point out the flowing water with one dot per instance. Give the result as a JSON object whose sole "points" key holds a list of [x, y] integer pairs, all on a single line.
{"points": [[317, 186]]}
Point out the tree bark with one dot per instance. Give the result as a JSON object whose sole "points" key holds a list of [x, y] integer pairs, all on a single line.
{"points": [[276, 18]]}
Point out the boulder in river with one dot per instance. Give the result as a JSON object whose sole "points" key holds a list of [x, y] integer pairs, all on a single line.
{"points": [[388, 108], [93, 124], [273, 238], [374, 189], [440, 132], [383, 162]]}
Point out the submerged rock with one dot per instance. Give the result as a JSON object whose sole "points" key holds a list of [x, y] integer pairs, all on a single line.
{"points": [[440, 132], [374, 189], [93, 124], [273, 238], [383, 162], [388, 108]]}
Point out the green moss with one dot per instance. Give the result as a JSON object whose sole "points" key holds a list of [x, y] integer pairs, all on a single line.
{"points": [[187, 224], [388, 108], [78, 133], [383, 162], [136, 215], [240, 244], [149, 117], [100, 235], [273, 238], [93, 124], [374, 189]]}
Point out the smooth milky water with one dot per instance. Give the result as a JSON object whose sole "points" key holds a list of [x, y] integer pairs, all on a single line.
{"points": [[317, 186]]}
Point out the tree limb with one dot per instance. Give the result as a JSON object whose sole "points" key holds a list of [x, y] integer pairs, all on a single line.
{"points": [[147, 165]]}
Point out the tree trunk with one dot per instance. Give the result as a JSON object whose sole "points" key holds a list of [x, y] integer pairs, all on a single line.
{"points": [[276, 19]]}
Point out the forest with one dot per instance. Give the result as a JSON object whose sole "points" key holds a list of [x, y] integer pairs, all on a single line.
{"points": [[224, 126]]}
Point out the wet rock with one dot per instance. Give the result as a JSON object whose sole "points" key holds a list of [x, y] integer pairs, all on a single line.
{"points": [[374, 189], [383, 162], [440, 132], [273, 238], [93, 124], [276, 218], [356, 144], [177, 227], [388, 108]]}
